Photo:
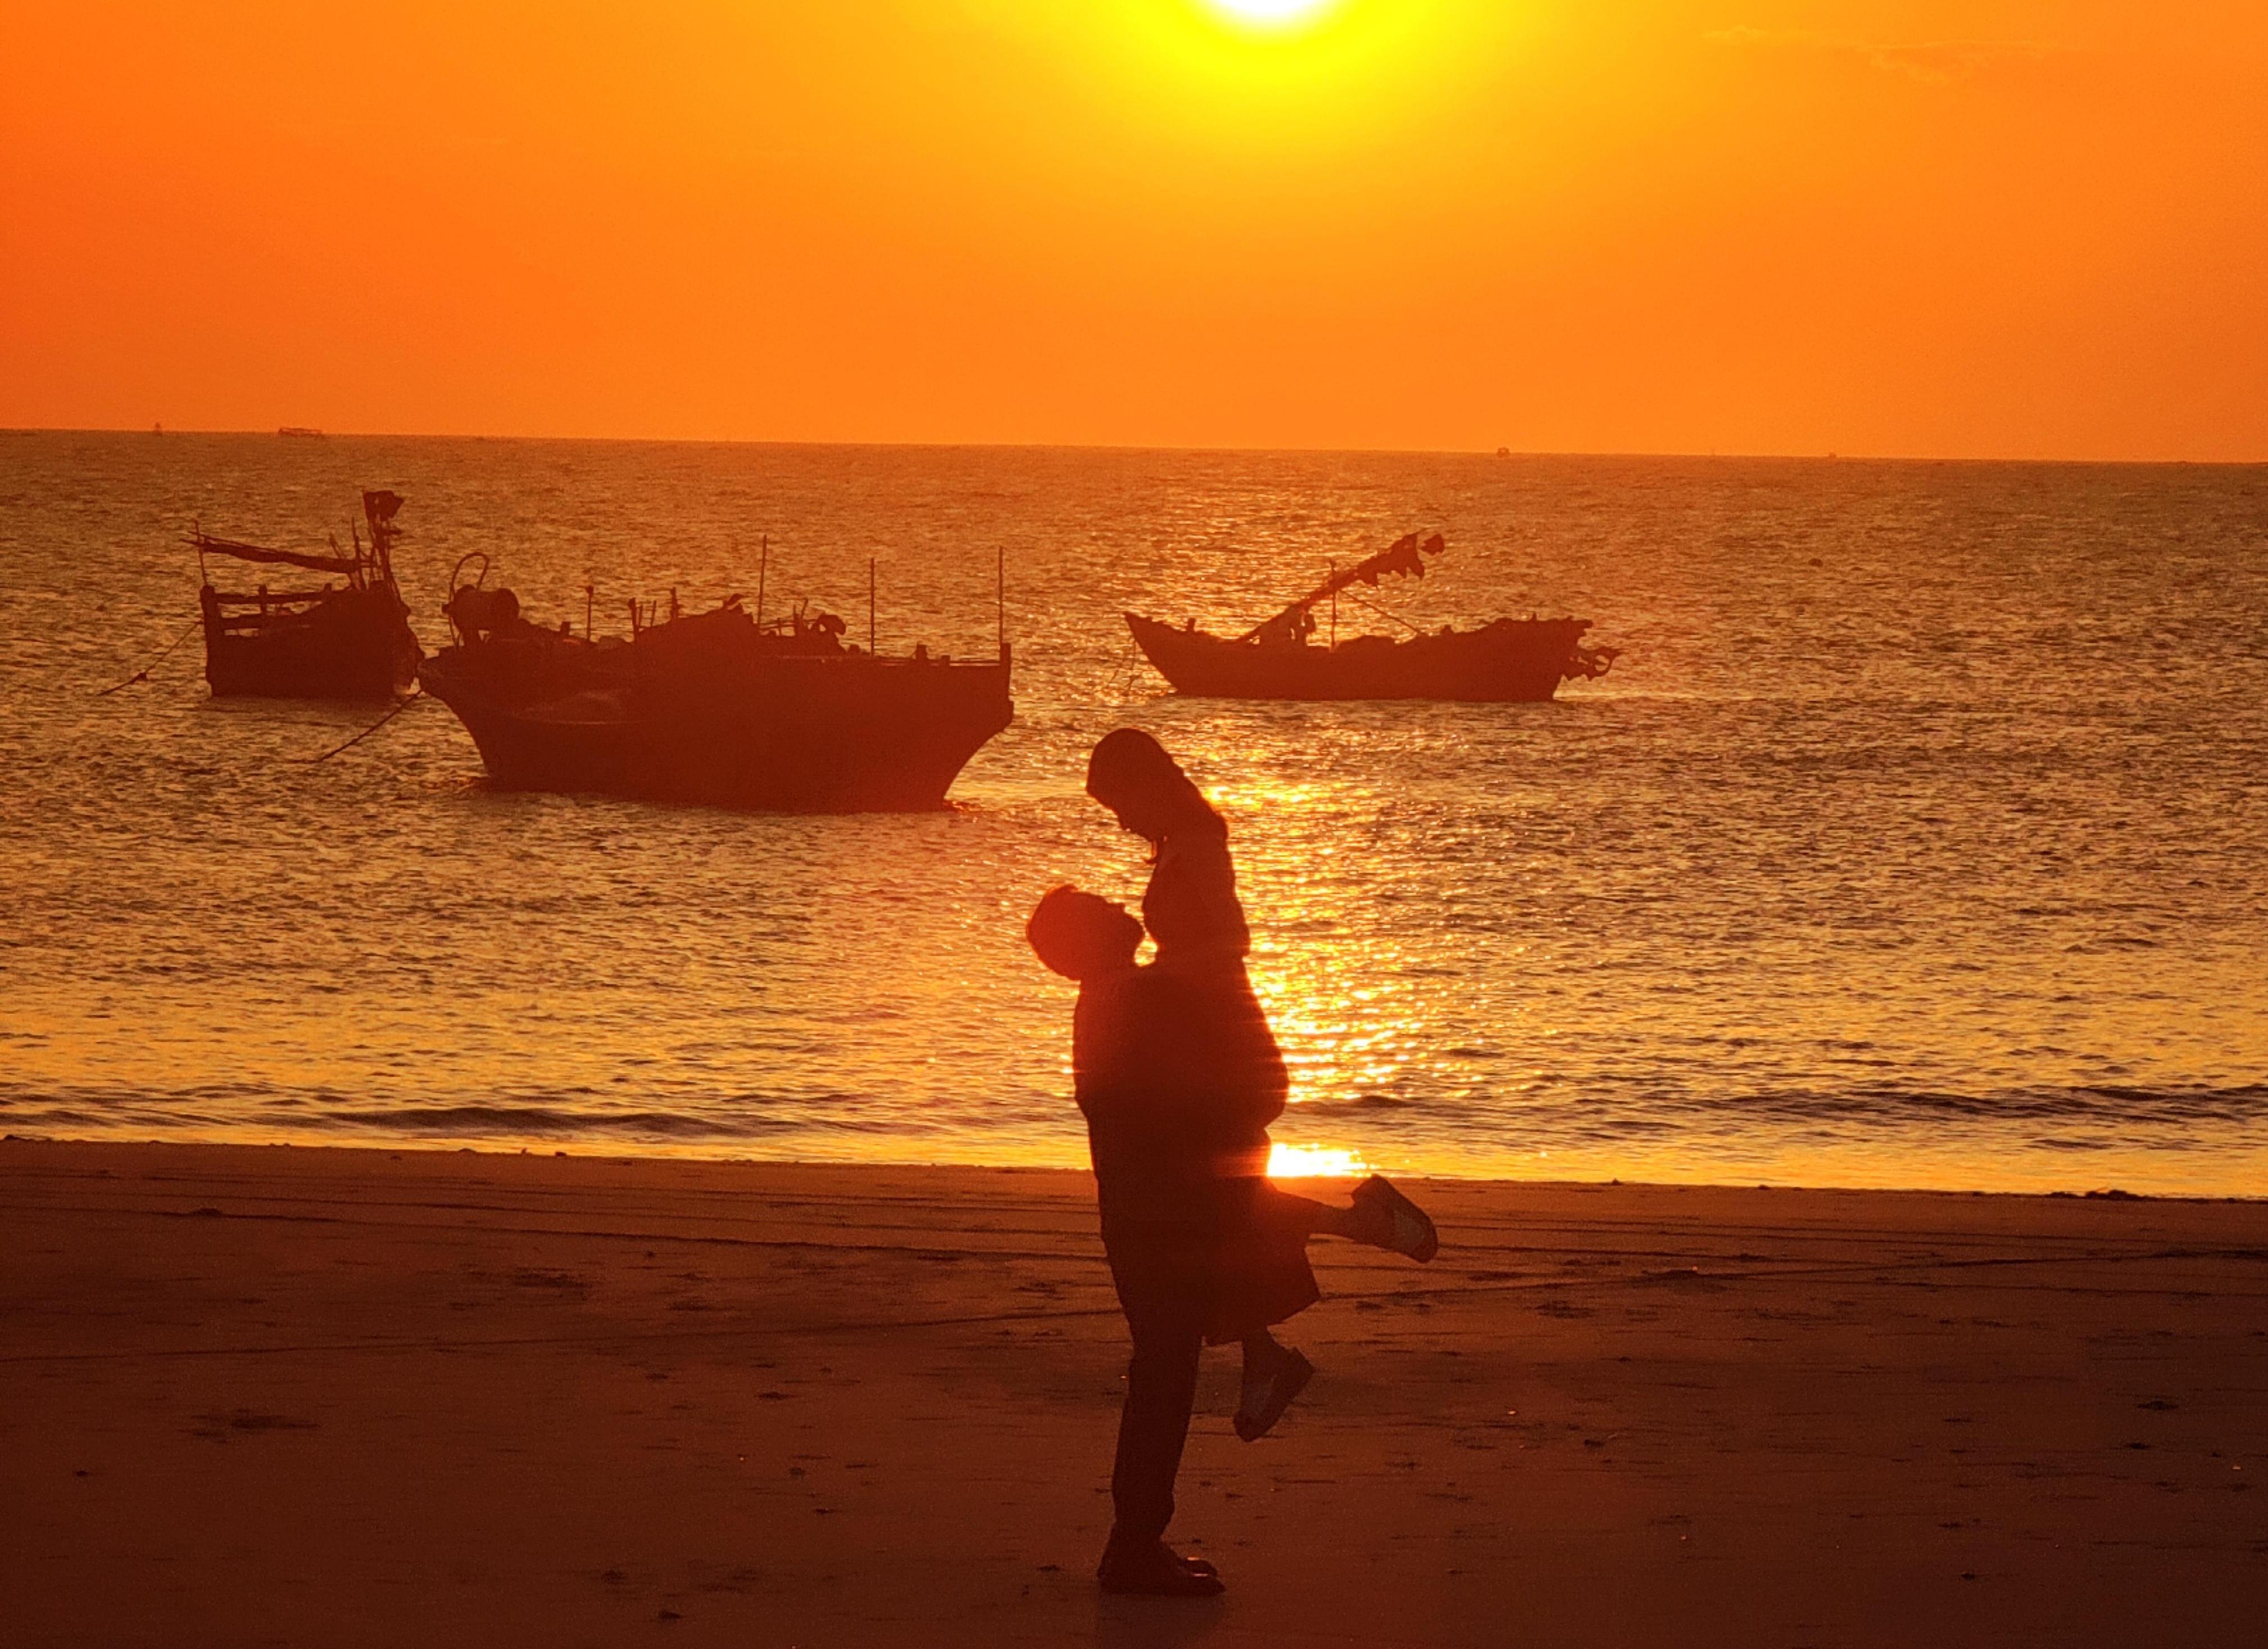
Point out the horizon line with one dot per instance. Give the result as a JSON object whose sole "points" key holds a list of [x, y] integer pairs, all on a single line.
{"points": [[314, 433]]}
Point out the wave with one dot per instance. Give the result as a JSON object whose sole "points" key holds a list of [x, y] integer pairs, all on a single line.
{"points": [[1601, 1109], [562, 1117]]}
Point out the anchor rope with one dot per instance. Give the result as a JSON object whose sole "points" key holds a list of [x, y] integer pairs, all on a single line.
{"points": [[365, 733], [1133, 665], [143, 675]]}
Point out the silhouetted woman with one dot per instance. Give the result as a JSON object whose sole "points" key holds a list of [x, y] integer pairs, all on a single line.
{"points": [[1260, 1275]]}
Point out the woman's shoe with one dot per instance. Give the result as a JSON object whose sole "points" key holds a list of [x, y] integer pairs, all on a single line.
{"points": [[1405, 1228], [1290, 1378]]}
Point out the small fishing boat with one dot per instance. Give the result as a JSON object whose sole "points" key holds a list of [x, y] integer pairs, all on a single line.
{"points": [[1509, 659], [717, 708], [347, 640]]}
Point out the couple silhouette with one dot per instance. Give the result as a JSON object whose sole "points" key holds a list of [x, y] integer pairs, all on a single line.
{"points": [[1179, 1077]]}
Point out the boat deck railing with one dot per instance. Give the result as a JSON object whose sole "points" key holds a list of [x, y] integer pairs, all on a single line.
{"points": [[236, 613]]}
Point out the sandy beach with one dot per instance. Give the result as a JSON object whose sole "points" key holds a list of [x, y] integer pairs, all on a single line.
{"points": [[253, 1395]]}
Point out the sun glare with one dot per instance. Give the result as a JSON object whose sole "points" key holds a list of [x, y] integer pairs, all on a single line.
{"points": [[1270, 13], [1314, 1162]]}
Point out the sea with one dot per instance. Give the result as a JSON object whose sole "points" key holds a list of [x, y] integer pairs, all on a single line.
{"points": [[1917, 838]]}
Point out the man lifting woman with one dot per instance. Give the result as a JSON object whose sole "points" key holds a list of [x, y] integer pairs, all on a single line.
{"points": [[1179, 1077]]}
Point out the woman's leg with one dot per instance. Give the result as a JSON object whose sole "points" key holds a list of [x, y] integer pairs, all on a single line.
{"points": [[1381, 1216], [1265, 1357], [1311, 1218], [1263, 1354], [1274, 1375]]}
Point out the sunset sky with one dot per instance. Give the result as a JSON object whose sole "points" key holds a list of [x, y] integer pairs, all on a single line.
{"points": [[1994, 228]]}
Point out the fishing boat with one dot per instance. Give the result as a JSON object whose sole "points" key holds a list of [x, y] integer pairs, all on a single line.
{"points": [[717, 708], [1509, 659], [347, 640]]}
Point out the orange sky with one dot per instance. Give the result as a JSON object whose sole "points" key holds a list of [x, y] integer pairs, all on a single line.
{"points": [[2004, 227]]}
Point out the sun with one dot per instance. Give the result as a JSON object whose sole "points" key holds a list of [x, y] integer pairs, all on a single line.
{"points": [[1270, 13]]}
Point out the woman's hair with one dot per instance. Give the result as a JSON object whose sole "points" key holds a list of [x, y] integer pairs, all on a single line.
{"points": [[1129, 764]]}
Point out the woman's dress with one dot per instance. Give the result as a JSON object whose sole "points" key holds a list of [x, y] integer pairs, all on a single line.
{"points": [[1261, 1274]]}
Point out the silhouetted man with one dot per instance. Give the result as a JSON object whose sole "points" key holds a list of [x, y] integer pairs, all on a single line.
{"points": [[1153, 1179]]}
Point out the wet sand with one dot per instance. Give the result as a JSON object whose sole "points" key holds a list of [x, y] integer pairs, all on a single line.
{"points": [[260, 1395]]}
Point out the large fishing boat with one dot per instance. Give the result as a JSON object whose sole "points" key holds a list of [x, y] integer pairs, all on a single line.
{"points": [[717, 709], [1508, 660], [349, 640]]}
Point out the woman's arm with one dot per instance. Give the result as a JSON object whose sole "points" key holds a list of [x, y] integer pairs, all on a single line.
{"points": [[1190, 906]]}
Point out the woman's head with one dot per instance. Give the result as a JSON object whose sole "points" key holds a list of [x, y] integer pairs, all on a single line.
{"points": [[1131, 774]]}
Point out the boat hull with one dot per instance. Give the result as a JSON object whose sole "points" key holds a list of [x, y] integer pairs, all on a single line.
{"points": [[1510, 661], [847, 734], [349, 644]]}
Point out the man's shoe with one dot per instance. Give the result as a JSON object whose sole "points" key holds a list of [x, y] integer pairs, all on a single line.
{"points": [[1156, 1571]]}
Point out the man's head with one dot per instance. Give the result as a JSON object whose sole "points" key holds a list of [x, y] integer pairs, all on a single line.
{"points": [[1083, 936]]}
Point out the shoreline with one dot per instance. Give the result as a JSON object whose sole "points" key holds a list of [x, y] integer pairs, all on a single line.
{"points": [[659, 1152], [270, 1393]]}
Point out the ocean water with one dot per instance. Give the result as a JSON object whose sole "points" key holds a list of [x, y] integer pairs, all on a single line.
{"points": [[1920, 836]]}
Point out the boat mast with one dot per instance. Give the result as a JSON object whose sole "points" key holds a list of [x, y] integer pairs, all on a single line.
{"points": [[870, 604], [379, 507], [764, 564], [1403, 558]]}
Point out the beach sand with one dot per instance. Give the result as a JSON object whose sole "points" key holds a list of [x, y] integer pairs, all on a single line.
{"points": [[274, 1395]]}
